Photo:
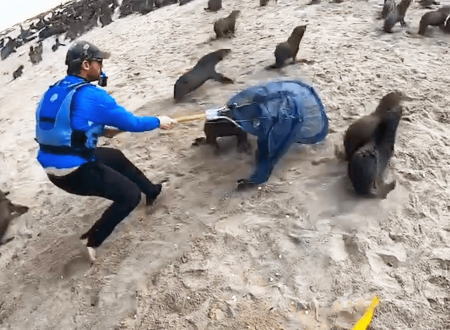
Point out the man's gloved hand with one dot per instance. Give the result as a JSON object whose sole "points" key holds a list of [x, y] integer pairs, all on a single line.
{"points": [[165, 122]]}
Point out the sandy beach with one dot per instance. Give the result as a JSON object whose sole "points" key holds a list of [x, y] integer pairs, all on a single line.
{"points": [[301, 252]]}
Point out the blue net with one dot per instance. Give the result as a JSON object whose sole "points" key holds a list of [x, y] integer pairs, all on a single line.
{"points": [[279, 113]]}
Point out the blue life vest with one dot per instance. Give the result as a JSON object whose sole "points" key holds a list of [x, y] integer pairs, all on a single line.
{"points": [[54, 131]]}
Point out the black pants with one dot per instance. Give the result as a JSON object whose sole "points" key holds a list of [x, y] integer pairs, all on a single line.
{"points": [[111, 176]]}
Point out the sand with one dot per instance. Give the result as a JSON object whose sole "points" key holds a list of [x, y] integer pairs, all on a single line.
{"points": [[302, 252]]}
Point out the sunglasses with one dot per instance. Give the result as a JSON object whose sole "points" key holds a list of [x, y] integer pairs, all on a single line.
{"points": [[98, 60]]}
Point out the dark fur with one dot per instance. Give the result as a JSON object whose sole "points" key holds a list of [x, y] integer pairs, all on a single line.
{"points": [[397, 14], [25, 35], [388, 6], [8, 48], [434, 18], [361, 131], [35, 53], [105, 13], [369, 144], [75, 29], [214, 5], [162, 3], [8, 211], [18, 72], [223, 127], [56, 45], [200, 73], [428, 3], [288, 49], [368, 164], [263, 3], [225, 27]]}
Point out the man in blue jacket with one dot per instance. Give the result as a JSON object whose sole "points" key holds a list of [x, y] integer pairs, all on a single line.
{"points": [[70, 117]]}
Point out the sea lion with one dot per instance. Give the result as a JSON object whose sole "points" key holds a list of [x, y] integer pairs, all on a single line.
{"points": [[362, 130], [428, 4], [263, 3], [75, 29], [183, 2], [35, 53], [214, 5], [288, 49], [366, 167], [89, 17], [225, 27], [201, 72], [145, 6], [105, 13], [162, 3], [434, 18], [51, 30], [397, 14], [25, 35], [56, 45], [220, 128], [126, 8], [18, 72], [9, 48], [8, 211], [388, 6]]}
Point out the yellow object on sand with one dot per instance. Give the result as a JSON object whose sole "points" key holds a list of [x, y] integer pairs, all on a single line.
{"points": [[365, 320]]}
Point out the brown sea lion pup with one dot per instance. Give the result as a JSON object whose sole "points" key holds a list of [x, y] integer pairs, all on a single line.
{"points": [[263, 3], [388, 6], [18, 72], [397, 14], [56, 45], [8, 211], [434, 18], [105, 13], [288, 49], [223, 127], [225, 27], [361, 131], [204, 70], [214, 5], [8, 48], [367, 165], [35, 53]]}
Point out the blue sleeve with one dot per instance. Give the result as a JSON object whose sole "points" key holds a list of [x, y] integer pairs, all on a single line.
{"points": [[101, 108]]}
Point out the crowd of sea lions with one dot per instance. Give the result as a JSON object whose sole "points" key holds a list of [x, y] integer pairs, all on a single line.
{"points": [[368, 142], [77, 17]]}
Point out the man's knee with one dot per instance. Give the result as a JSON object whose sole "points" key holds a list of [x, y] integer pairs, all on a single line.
{"points": [[133, 197]]}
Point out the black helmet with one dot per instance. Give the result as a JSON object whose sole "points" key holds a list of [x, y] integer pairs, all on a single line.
{"points": [[83, 50]]}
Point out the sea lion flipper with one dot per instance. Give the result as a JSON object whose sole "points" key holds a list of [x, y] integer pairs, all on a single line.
{"points": [[384, 188], [221, 78], [271, 67]]}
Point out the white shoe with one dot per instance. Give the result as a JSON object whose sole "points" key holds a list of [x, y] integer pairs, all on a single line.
{"points": [[91, 251]]}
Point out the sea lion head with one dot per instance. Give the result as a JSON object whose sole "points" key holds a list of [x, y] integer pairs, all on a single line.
{"points": [[300, 29], [181, 88]]}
